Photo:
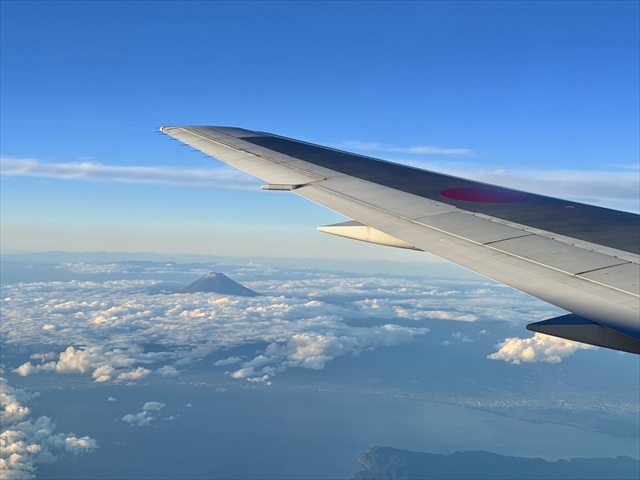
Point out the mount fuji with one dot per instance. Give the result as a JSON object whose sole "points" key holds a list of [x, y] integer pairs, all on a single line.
{"points": [[214, 282]]}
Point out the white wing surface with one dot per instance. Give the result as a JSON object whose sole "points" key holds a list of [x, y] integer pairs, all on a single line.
{"points": [[581, 258]]}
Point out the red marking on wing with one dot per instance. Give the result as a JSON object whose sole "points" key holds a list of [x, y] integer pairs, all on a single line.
{"points": [[484, 195]]}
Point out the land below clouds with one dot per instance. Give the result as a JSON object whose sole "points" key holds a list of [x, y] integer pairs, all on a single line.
{"points": [[383, 463]]}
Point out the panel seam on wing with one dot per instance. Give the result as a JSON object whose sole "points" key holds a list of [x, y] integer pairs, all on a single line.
{"points": [[464, 239], [602, 268], [574, 242]]}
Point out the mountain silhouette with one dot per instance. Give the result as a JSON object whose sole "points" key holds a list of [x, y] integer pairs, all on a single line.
{"points": [[214, 282], [388, 463]]}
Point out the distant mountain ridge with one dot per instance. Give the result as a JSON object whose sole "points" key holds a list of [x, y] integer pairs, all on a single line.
{"points": [[214, 282], [390, 463]]}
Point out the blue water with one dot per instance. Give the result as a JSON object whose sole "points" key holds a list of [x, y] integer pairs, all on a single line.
{"points": [[274, 433]]}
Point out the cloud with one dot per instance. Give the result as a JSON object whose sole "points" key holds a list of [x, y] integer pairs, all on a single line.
{"points": [[72, 360], [44, 356], [103, 373], [25, 443], [77, 361], [137, 374], [149, 413], [112, 399], [140, 419], [167, 371], [243, 372], [419, 150], [101, 361], [313, 351], [220, 177], [539, 348], [79, 445], [227, 361], [153, 406], [26, 369]]}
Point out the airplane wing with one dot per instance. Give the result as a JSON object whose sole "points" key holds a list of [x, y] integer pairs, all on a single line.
{"points": [[581, 258]]}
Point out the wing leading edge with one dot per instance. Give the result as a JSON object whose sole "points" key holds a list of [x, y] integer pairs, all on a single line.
{"points": [[581, 258]]}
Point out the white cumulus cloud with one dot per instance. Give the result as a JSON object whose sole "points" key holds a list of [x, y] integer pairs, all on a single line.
{"points": [[153, 406], [149, 413], [137, 374], [102, 362], [103, 373], [140, 419], [313, 351], [539, 348], [25, 443]]}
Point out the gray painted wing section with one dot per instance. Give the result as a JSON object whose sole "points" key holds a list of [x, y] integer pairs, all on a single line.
{"points": [[553, 254]]}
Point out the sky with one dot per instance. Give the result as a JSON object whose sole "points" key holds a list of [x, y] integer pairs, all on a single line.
{"points": [[541, 96]]}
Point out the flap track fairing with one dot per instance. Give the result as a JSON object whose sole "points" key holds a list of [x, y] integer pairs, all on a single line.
{"points": [[364, 233]]}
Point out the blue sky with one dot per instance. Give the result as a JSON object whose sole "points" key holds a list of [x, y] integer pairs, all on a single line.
{"points": [[542, 95]]}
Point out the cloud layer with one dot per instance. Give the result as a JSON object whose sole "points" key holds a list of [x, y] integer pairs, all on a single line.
{"points": [[101, 329], [106, 323], [615, 189], [220, 177]]}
